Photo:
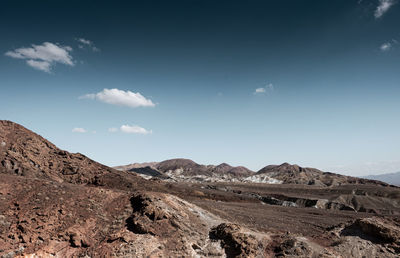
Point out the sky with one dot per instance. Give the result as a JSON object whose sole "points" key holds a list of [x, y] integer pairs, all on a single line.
{"points": [[251, 82]]}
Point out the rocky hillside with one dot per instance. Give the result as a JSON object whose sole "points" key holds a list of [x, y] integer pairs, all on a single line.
{"points": [[136, 165], [188, 170], [48, 218], [294, 174], [25, 153]]}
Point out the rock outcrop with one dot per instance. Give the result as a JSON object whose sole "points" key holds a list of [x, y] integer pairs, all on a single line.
{"points": [[236, 242]]}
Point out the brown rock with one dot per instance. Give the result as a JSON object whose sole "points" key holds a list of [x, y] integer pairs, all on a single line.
{"points": [[235, 243]]}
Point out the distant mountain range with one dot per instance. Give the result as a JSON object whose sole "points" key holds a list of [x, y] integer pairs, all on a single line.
{"points": [[186, 170], [391, 178]]}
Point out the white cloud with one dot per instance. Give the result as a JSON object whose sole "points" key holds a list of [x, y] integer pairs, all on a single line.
{"points": [[268, 88], [84, 41], [39, 65], [260, 90], [134, 129], [386, 46], [383, 7], [87, 43], [113, 130], [43, 57], [120, 98], [79, 130]]}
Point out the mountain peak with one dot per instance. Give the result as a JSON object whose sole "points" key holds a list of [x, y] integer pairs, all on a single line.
{"points": [[25, 153]]}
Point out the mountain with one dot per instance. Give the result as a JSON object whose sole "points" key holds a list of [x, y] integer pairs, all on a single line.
{"points": [[295, 174], [25, 153], [238, 171], [148, 172], [188, 170], [136, 165], [391, 178]]}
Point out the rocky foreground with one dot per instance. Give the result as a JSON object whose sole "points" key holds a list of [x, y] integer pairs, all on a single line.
{"points": [[54, 203]]}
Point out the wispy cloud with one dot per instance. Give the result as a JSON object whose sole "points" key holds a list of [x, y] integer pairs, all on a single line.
{"points": [[130, 129], [43, 57], [79, 130], [113, 130], [120, 98], [267, 88], [386, 46], [134, 129], [87, 43], [260, 90], [39, 65], [383, 7]]}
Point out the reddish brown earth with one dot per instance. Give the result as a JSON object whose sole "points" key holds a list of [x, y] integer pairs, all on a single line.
{"points": [[55, 203]]}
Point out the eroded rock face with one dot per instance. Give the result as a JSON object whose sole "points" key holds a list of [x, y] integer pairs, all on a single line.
{"points": [[235, 242], [383, 230], [181, 227], [368, 237], [288, 245], [48, 218]]}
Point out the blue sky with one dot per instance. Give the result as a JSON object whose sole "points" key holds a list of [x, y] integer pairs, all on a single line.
{"points": [[249, 83]]}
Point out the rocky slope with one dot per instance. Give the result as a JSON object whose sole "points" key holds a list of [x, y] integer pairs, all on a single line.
{"points": [[48, 218], [294, 174], [188, 170], [25, 153], [136, 165]]}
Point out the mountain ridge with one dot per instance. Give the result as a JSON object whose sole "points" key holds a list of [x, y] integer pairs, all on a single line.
{"points": [[180, 169], [390, 178]]}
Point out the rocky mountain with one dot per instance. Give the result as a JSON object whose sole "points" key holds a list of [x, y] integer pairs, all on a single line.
{"points": [[136, 165], [25, 153], [188, 170], [390, 178], [294, 174]]}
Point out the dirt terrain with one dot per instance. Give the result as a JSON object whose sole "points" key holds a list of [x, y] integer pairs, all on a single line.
{"points": [[55, 203]]}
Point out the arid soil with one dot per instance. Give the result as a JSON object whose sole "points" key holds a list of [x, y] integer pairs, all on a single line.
{"points": [[54, 203]]}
